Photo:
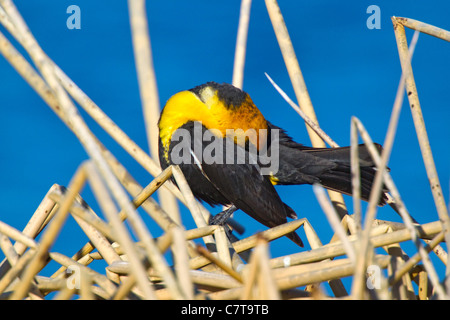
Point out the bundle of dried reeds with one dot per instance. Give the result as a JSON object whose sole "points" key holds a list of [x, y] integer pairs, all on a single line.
{"points": [[214, 266]]}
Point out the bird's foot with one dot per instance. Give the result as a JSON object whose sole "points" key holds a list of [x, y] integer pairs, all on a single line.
{"points": [[222, 217]]}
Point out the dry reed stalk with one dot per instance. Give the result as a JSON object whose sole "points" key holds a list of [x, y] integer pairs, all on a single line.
{"points": [[90, 107], [181, 263], [12, 257], [104, 175], [15, 270], [87, 216], [325, 273], [299, 86], [422, 136], [410, 223], [8, 250], [164, 221], [142, 195], [376, 191], [250, 277], [311, 235], [147, 87], [218, 262], [400, 207], [35, 224], [269, 235], [70, 112], [153, 253], [424, 28], [314, 241], [334, 250], [310, 123], [267, 285], [65, 293], [334, 221], [16, 235], [408, 265], [423, 285], [241, 44], [356, 179], [37, 262], [191, 203], [201, 217], [213, 280], [222, 247], [102, 195], [107, 285], [251, 241], [293, 67]]}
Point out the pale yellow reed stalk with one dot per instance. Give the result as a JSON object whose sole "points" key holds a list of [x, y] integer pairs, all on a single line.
{"points": [[222, 265], [48, 238], [376, 191], [98, 278], [181, 263], [334, 250], [299, 85], [422, 135], [147, 87], [122, 234], [424, 28], [241, 44], [15, 234], [334, 221]]}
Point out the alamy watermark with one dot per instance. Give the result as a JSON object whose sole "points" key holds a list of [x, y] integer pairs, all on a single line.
{"points": [[374, 20], [74, 20], [74, 280], [373, 273], [200, 146]]}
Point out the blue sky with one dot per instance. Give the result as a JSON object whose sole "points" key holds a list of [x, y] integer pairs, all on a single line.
{"points": [[349, 70]]}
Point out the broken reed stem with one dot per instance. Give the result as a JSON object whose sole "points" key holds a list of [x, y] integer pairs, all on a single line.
{"points": [[422, 136], [241, 44], [148, 87], [424, 28]]}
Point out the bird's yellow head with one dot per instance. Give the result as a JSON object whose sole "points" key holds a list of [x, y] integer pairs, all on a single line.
{"points": [[219, 107]]}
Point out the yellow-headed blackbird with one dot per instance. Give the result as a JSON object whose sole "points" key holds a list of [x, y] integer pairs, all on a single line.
{"points": [[219, 138]]}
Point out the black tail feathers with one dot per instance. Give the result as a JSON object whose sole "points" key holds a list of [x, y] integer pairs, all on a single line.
{"points": [[338, 178]]}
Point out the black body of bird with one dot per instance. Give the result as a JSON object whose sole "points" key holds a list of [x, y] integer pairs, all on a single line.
{"points": [[208, 111]]}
